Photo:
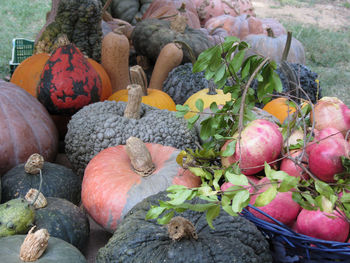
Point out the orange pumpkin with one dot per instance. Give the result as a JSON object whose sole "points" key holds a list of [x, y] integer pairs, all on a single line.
{"points": [[155, 98], [111, 187], [27, 74], [279, 108]]}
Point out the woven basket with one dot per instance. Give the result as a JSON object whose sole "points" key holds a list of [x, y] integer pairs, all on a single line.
{"points": [[290, 247]]}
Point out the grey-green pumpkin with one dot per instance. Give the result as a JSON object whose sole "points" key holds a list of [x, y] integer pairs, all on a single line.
{"points": [[58, 181], [64, 220], [234, 239], [151, 35], [57, 251]]}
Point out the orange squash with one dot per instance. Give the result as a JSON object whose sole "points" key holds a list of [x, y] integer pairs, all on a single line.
{"points": [[279, 108]]}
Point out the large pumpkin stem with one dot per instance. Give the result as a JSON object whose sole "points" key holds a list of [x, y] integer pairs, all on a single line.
{"points": [[140, 157], [180, 227], [34, 245], [36, 198], [138, 76], [179, 23], [132, 109]]}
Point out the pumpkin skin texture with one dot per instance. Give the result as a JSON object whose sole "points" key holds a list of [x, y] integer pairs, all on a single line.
{"points": [[181, 83], [56, 251], [27, 74], [273, 47], [166, 8], [101, 125], [26, 128], [212, 8], [150, 35], [154, 98], [238, 26], [16, 182], [111, 188], [68, 82], [64, 220], [234, 239]]}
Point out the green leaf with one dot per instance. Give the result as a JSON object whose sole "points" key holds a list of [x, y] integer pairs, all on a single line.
{"points": [[226, 205], [323, 188], [179, 197], [166, 218], [176, 187], [266, 197], [217, 176], [200, 172], [230, 149], [240, 200], [154, 212], [236, 179], [180, 157], [214, 107], [220, 73], [238, 60], [191, 121], [199, 104], [346, 163], [345, 197], [276, 82], [206, 190], [211, 214]]}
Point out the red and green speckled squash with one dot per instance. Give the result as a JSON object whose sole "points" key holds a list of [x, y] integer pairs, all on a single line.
{"points": [[111, 187], [68, 81]]}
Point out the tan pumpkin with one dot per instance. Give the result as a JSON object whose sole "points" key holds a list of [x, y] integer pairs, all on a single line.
{"points": [[212, 8], [243, 25], [273, 47], [167, 9]]}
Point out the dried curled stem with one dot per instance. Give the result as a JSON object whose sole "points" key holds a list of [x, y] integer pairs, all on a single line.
{"points": [[180, 227], [34, 245]]}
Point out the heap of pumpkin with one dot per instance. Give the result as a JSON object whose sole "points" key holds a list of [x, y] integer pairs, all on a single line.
{"points": [[90, 96]]}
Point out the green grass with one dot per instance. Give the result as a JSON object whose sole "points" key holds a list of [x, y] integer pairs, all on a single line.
{"points": [[327, 52], [19, 19]]}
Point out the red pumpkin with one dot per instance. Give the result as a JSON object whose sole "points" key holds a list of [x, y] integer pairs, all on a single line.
{"points": [[25, 128], [111, 187], [211, 8], [68, 81], [169, 8]]}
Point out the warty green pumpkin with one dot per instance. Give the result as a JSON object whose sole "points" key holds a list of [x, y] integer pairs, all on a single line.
{"points": [[234, 239]]}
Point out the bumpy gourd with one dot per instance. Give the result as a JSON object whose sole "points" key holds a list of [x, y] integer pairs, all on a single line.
{"points": [[16, 217], [101, 125], [234, 239], [80, 20]]}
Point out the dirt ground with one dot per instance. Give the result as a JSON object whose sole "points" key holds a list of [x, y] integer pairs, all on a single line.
{"points": [[327, 14]]}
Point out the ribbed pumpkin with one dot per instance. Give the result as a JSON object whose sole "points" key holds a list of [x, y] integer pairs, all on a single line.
{"points": [[113, 183], [64, 220], [155, 98], [27, 74], [167, 9], [56, 251], [234, 239], [58, 181], [243, 25], [26, 128], [272, 47], [212, 8], [208, 96]]}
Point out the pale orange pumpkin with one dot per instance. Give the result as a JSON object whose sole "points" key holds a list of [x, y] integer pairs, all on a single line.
{"points": [[111, 186]]}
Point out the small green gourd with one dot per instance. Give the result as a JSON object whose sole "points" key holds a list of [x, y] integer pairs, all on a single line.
{"points": [[16, 217]]}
